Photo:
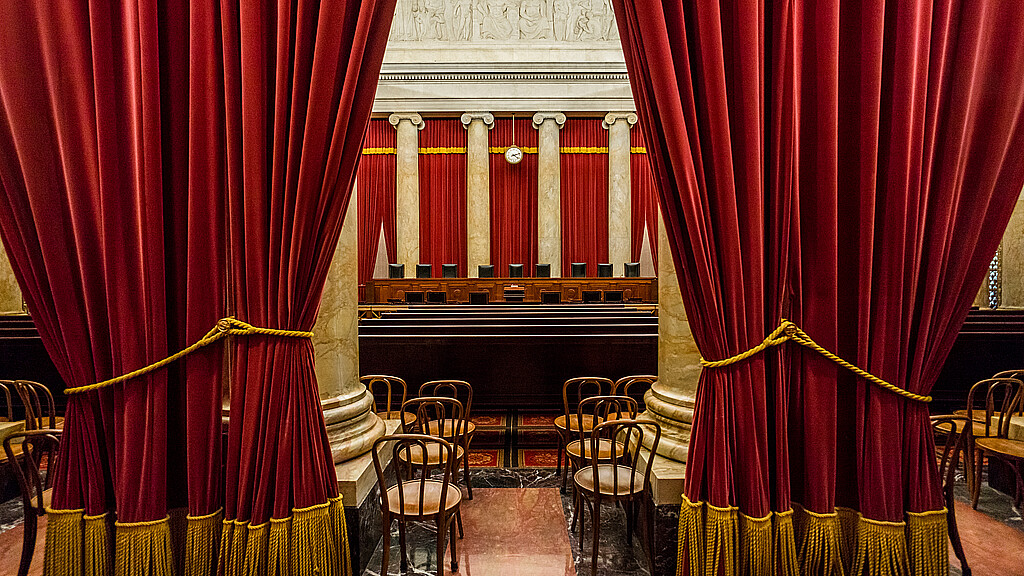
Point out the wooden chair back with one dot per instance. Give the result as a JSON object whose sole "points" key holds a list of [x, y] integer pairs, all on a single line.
{"points": [[955, 445], [438, 409], [1001, 396], [1019, 375], [40, 409], [627, 438], [600, 407], [36, 446], [6, 386], [405, 446], [388, 384], [643, 383], [458, 389], [574, 390]]}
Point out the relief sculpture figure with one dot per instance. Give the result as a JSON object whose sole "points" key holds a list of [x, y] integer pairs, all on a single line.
{"points": [[462, 20], [534, 23], [494, 21], [562, 28]]}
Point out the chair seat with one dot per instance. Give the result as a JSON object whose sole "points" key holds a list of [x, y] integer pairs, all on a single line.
{"points": [[1002, 446], [431, 498], [588, 422], [979, 415], [620, 416], [977, 427], [436, 455], [604, 449], [448, 428], [407, 418], [584, 478]]}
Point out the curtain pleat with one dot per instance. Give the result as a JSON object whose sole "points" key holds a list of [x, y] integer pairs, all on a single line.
{"points": [[643, 199], [442, 164], [584, 178], [513, 197], [375, 186]]}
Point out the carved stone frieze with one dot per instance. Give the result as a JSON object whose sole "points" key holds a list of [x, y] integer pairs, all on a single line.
{"points": [[504, 21]]}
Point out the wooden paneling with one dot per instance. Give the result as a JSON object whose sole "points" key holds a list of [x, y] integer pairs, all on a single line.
{"points": [[382, 291]]}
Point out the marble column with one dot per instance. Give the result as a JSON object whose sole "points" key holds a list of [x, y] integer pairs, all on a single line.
{"points": [[10, 292], [671, 400], [619, 190], [352, 427], [407, 188], [1012, 259], [478, 190], [549, 190]]}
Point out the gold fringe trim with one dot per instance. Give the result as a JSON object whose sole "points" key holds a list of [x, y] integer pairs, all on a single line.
{"points": [[444, 150], [927, 537], [63, 552], [143, 548], [583, 150], [638, 150], [98, 545], [378, 150], [717, 541], [503, 149], [202, 540]]}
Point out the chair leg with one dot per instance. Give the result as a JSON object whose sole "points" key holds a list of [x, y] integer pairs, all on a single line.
{"points": [[627, 507], [979, 459], [596, 517], [954, 532], [558, 455], [465, 460], [440, 544], [575, 510], [458, 520], [649, 512], [386, 545], [452, 539], [401, 547], [28, 545]]}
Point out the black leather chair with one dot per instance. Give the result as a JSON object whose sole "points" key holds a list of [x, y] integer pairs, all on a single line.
{"points": [[579, 269], [631, 269], [423, 271], [396, 270], [515, 270], [604, 270], [485, 271], [449, 271], [543, 271]]}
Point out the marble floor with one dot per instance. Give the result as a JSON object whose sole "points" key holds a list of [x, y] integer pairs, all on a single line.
{"points": [[517, 523]]}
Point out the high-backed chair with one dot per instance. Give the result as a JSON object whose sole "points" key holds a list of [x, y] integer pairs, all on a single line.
{"points": [[952, 430], [35, 446], [485, 270], [422, 498], [389, 385], [515, 270], [542, 271], [597, 409], [604, 270], [424, 271], [396, 270], [631, 269], [1002, 398], [449, 429], [619, 479], [579, 269], [449, 271], [574, 390]]}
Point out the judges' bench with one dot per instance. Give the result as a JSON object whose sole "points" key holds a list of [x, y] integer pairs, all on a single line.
{"points": [[570, 290]]}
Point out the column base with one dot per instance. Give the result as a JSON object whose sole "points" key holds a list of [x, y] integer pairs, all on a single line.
{"points": [[357, 484], [352, 427], [666, 494], [674, 413]]}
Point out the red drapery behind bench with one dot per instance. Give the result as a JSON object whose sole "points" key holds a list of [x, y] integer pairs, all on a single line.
{"points": [[513, 197], [584, 176], [443, 194]]}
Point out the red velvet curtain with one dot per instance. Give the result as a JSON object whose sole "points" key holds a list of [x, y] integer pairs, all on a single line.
{"points": [[846, 165], [584, 176], [643, 199], [443, 194], [131, 136], [375, 186], [513, 197]]}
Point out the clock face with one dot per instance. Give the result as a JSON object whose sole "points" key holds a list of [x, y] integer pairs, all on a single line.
{"points": [[513, 155]]}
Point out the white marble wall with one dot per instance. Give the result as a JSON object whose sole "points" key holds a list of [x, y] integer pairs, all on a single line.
{"points": [[549, 190], [478, 190], [407, 188], [10, 292], [1012, 273], [620, 216]]}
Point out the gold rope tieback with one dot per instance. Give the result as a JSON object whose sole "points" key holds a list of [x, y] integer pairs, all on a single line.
{"points": [[225, 327], [786, 331]]}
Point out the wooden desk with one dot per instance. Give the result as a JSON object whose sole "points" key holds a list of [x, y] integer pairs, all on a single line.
{"points": [[383, 290]]}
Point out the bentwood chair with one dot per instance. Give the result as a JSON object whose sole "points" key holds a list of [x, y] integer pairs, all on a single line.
{"points": [[598, 409], [424, 498], [574, 390], [5, 386], [619, 479], [389, 385], [38, 400], [1001, 402], [462, 391], [951, 428], [27, 451], [1019, 375], [634, 386]]}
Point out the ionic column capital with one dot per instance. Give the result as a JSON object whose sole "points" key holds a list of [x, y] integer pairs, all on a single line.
{"points": [[613, 117], [541, 117], [486, 117], [413, 117]]}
